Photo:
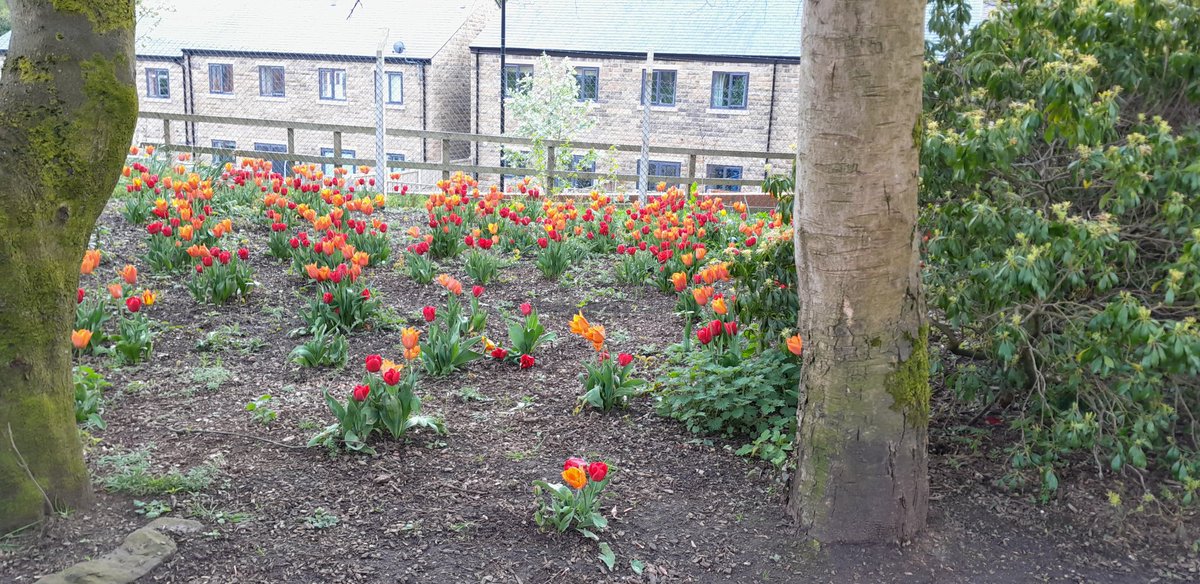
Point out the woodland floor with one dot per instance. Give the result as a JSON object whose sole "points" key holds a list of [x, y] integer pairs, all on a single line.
{"points": [[457, 508]]}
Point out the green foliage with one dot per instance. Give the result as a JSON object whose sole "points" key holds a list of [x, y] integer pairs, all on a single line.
{"points": [[89, 396], [752, 399], [376, 406], [320, 519], [608, 384], [419, 267], [1061, 195], [260, 408], [134, 339], [226, 278], [528, 334], [130, 473], [636, 268], [764, 280], [450, 344], [481, 266], [555, 258], [325, 349]]}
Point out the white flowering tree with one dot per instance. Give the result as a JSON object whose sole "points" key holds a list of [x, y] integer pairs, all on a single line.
{"points": [[546, 106]]}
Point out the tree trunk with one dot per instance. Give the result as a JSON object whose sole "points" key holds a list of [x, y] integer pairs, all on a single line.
{"points": [[864, 396], [67, 111]]}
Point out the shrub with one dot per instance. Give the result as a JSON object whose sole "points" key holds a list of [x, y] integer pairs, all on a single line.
{"points": [[450, 345], [1061, 230], [89, 396], [754, 399]]}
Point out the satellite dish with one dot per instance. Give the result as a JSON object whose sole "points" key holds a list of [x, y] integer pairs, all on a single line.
{"points": [[398, 47]]}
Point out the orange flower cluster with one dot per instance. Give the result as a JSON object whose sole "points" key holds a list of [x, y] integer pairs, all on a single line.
{"points": [[593, 333], [450, 284], [410, 338], [714, 273], [91, 259]]}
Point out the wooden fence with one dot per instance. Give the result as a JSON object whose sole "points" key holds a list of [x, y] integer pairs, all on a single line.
{"points": [[446, 165]]}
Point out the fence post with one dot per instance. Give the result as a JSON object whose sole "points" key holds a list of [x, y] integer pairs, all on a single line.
{"points": [[380, 156], [691, 175], [644, 171], [446, 158], [337, 149], [291, 146], [166, 134], [549, 180]]}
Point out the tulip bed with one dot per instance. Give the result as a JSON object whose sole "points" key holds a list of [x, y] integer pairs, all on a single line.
{"points": [[384, 386]]}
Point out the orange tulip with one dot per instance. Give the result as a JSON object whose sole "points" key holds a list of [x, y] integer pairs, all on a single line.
{"points": [[718, 306], [413, 353], [91, 259], [795, 344], [409, 338], [129, 274], [116, 291], [575, 477], [149, 297], [679, 279], [81, 338], [702, 294]]}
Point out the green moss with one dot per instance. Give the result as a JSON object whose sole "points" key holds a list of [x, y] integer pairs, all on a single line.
{"points": [[105, 15], [29, 73], [909, 384]]}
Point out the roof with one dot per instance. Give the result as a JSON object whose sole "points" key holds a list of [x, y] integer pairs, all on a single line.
{"points": [[737, 29], [302, 27]]}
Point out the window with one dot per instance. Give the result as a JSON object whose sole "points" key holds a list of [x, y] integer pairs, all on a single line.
{"points": [[220, 78], [277, 164], [578, 164], [513, 159], [158, 83], [394, 157], [513, 74], [723, 171], [588, 79], [270, 81], [221, 159], [332, 84], [662, 87], [395, 88], [328, 168], [659, 169], [729, 90]]}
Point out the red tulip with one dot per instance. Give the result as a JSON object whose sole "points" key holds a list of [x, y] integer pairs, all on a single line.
{"points": [[243, 254], [327, 298], [477, 291], [576, 462], [704, 335], [79, 296], [225, 257], [526, 361], [430, 313], [366, 293], [499, 353], [361, 392], [295, 243], [624, 359], [133, 303], [526, 308], [731, 328], [391, 376], [597, 471], [542, 243], [374, 363]]}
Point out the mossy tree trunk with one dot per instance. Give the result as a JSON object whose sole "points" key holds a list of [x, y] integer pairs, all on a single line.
{"points": [[67, 112], [864, 397]]}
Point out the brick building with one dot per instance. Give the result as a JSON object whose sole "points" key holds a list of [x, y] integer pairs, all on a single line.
{"points": [[308, 61], [725, 75]]}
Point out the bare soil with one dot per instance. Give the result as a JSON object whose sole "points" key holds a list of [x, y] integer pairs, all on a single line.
{"points": [[457, 508]]}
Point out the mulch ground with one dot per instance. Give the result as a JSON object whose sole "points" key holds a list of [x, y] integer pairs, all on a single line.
{"points": [[457, 508]]}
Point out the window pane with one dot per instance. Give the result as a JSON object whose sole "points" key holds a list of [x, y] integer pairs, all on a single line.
{"points": [[395, 88]]}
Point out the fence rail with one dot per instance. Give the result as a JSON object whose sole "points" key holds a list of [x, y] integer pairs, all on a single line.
{"points": [[446, 165]]}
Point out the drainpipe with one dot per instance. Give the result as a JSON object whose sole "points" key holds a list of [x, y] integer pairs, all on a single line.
{"points": [[476, 111], [771, 117], [503, 47]]}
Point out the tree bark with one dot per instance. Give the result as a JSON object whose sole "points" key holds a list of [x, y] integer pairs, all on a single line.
{"points": [[67, 111], [864, 396]]}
